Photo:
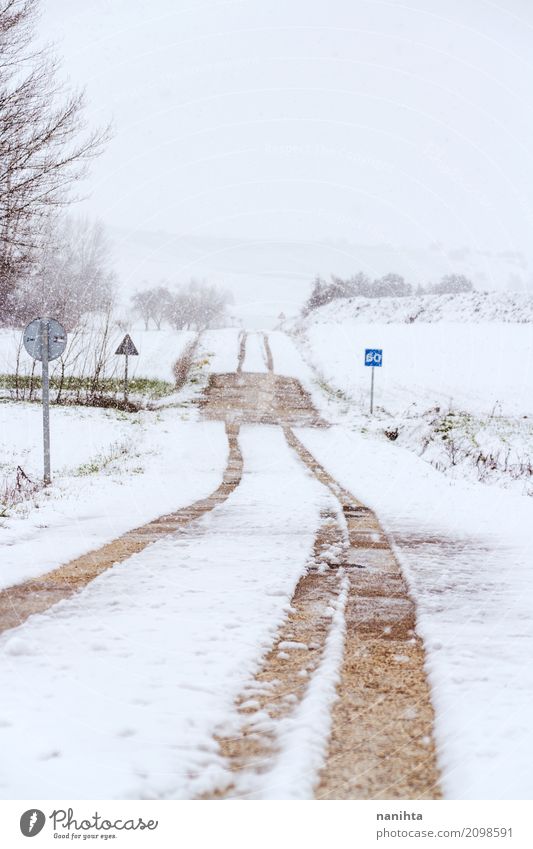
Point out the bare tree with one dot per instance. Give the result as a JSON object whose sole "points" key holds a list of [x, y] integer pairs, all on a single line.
{"points": [[391, 285], [152, 304], [197, 306], [44, 143], [142, 306], [71, 277]]}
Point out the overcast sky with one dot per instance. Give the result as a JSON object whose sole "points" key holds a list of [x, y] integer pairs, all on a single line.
{"points": [[406, 123]]}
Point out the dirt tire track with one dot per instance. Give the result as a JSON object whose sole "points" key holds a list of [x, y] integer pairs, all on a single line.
{"points": [[242, 350], [37, 595], [268, 353], [381, 744], [282, 680]]}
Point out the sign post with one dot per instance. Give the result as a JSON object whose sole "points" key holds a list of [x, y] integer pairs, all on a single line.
{"points": [[373, 358], [45, 339], [127, 349], [45, 335]]}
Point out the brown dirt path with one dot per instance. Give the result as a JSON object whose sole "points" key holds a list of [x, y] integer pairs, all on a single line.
{"points": [[259, 399], [381, 745], [37, 595]]}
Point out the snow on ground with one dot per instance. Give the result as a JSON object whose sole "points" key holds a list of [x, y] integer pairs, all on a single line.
{"points": [[470, 367], [116, 692], [160, 463], [221, 347], [255, 357], [158, 351], [288, 359], [79, 435], [466, 552]]}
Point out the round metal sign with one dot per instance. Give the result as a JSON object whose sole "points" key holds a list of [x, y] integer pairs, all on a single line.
{"points": [[36, 331]]}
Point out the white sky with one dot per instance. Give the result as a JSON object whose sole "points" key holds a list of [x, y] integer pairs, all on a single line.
{"points": [[377, 122]]}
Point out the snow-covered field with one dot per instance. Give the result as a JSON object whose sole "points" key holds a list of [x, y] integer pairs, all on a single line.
{"points": [[455, 392], [111, 473], [79, 436], [470, 367], [158, 351], [220, 348]]}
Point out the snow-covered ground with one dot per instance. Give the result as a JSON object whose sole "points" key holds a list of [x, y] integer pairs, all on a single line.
{"points": [[136, 673], [456, 393], [158, 351], [472, 367], [112, 472], [80, 435], [466, 552], [255, 358], [219, 350]]}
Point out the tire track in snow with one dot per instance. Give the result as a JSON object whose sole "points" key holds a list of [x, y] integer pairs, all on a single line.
{"points": [[21, 601], [381, 744], [268, 353], [242, 351], [381, 740], [267, 706]]}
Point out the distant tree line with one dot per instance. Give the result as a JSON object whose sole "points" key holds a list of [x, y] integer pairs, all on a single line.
{"points": [[192, 306], [45, 148], [390, 285]]}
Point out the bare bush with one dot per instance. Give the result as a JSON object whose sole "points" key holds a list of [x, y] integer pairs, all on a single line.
{"points": [[182, 366], [16, 490]]}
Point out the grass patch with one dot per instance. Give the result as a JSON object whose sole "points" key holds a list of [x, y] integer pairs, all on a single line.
{"points": [[117, 451], [149, 388]]}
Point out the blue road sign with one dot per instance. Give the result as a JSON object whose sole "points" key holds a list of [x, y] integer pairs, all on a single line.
{"points": [[373, 356]]}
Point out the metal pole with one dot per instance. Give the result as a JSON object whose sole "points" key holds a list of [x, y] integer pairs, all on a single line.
{"points": [[45, 341], [372, 392], [126, 380]]}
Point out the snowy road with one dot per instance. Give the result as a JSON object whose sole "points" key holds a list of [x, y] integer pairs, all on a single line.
{"points": [[141, 678]]}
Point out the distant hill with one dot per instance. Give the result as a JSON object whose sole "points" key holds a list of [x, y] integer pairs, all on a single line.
{"points": [[472, 307], [267, 277]]}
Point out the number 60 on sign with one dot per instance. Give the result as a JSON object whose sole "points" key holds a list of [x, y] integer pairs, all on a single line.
{"points": [[374, 357]]}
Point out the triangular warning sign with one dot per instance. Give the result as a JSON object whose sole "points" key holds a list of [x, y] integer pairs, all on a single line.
{"points": [[127, 347]]}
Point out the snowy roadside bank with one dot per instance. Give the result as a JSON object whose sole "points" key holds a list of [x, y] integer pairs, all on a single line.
{"points": [[460, 409], [148, 465], [466, 552]]}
